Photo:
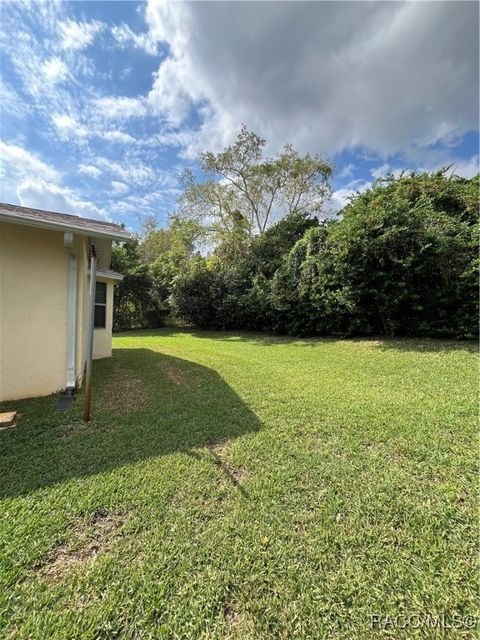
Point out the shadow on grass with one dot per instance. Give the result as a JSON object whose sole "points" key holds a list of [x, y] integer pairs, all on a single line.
{"points": [[253, 337], [215, 459], [427, 345], [145, 404], [382, 342]]}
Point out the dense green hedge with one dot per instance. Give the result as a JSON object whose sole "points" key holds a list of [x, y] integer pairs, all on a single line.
{"points": [[401, 260], [135, 305]]}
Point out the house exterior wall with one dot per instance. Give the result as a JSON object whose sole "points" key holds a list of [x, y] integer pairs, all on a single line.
{"points": [[33, 311]]}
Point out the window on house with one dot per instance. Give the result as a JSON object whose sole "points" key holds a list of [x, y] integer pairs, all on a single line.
{"points": [[100, 305]]}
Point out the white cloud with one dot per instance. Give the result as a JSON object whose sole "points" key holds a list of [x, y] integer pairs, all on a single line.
{"points": [[146, 199], [119, 187], [32, 46], [168, 138], [132, 172], [117, 136], [124, 73], [466, 168], [68, 127], [51, 197], [125, 208], [19, 161], [120, 107], [169, 96], [12, 102], [126, 37], [90, 170], [381, 171], [55, 70], [388, 76], [346, 172], [140, 205], [78, 35], [35, 184], [341, 197]]}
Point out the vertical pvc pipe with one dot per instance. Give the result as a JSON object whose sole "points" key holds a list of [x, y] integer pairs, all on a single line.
{"points": [[71, 321], [90, 325]]}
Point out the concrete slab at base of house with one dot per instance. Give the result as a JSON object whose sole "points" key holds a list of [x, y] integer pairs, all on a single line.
{"points": [[7, 420]]}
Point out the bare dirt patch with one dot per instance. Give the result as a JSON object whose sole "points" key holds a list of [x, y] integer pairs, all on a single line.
{"points": [[238, 623], [89, 539], [236, 475], [176, 376], [73, 429], [370, 343], [219, 448], [125, 392], [232, 617]]}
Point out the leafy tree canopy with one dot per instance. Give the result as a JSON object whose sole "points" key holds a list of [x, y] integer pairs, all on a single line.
{"points": [[243, 192]]}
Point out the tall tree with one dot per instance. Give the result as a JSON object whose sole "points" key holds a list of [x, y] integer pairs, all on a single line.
{"points": [[244, 192], [155, 242]]}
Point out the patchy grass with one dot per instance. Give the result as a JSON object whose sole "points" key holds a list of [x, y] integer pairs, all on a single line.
{"points": [[244, 486], [86, 541]]}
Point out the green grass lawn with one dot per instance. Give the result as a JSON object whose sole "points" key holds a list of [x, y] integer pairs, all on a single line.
{"points": [[245, 486]]}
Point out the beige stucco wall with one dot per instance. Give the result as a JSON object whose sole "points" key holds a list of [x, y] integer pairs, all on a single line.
{"points": [[33, 311], [102, 338]]}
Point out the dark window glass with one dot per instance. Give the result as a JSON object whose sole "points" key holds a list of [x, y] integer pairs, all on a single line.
{"points": [[101, 293], [100, 316], [100, 305]]}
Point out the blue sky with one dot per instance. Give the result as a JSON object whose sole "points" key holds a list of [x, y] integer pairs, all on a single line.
{"points": [[104, 103]]}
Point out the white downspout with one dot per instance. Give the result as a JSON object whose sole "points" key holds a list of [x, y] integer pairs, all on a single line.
{"points": [[68, 240]]}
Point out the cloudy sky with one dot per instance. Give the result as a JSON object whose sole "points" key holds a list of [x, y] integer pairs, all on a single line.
{"points": [[104, 103]]}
